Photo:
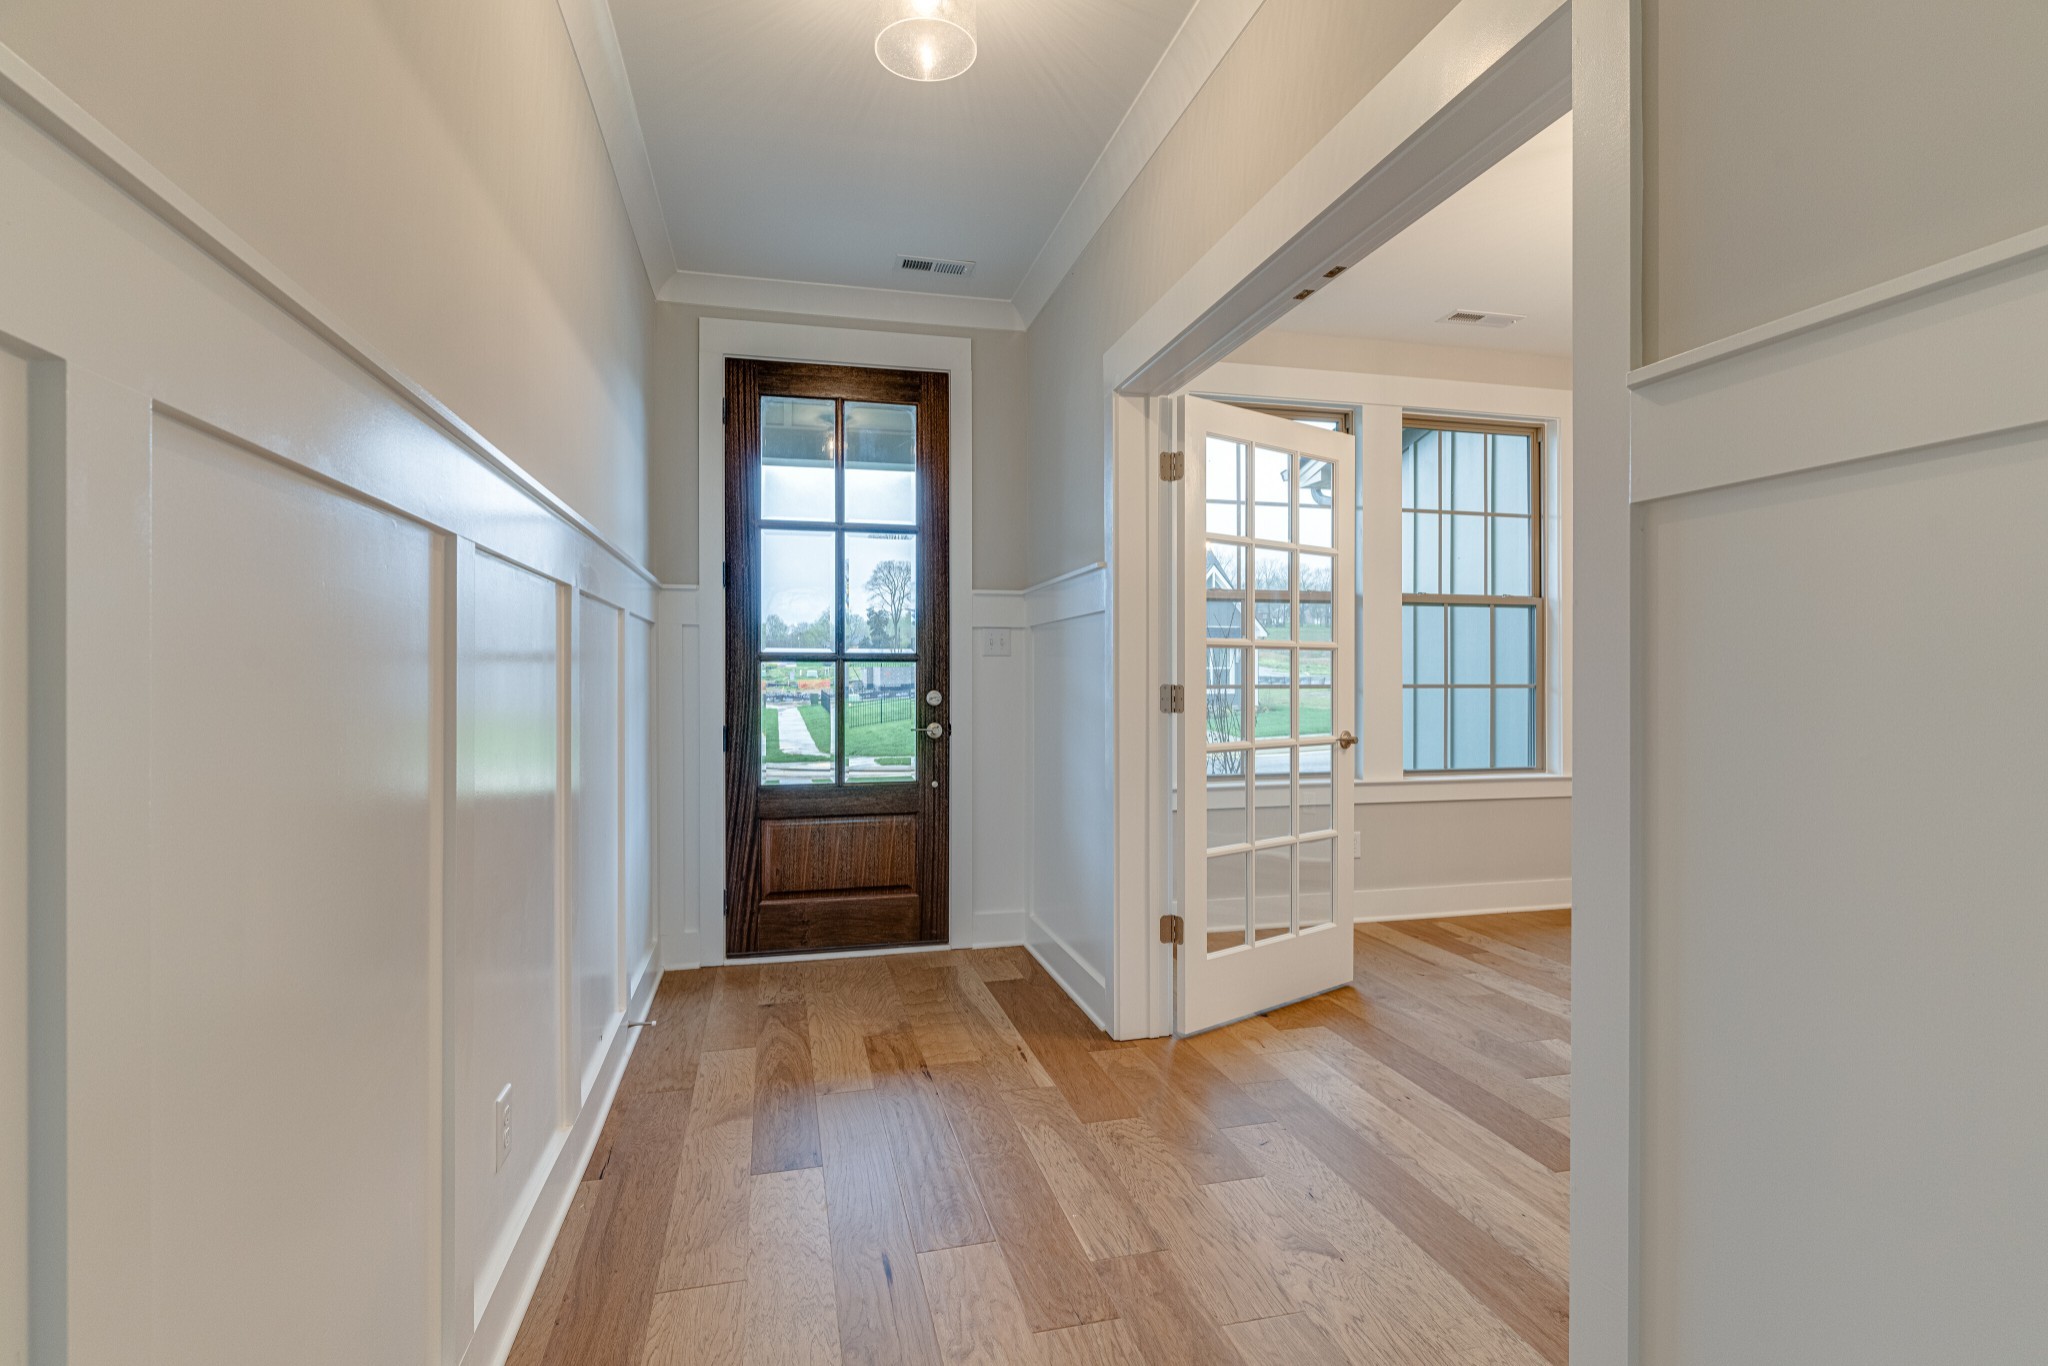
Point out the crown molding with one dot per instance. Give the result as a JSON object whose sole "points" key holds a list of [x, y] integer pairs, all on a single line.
{"points": [[839, 301], [1205, 37], [596, 44]]}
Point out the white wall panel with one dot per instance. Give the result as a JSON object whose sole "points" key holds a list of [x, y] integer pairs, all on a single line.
{"points": [[505, 948], [13, 860], [1844, 949], [1002, 773], [595, 970], [636, 774], [1070, 927], [293, 703]]}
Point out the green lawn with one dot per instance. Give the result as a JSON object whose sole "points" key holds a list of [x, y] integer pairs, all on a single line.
{"points": [[874, 730]]}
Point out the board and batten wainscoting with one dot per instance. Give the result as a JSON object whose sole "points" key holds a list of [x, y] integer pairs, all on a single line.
{"points": [[340, 885]]}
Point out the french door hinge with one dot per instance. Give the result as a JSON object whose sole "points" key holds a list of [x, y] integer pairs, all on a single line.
{"points": [[1172, 465], [1172, 929], [1173, 698]]}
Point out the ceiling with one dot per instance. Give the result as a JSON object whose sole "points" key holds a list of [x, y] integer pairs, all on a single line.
{"points": [[781, 149], [1503, 244]]}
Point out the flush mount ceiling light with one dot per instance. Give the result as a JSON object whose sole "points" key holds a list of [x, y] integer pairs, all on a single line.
{"points": [[926, 40]]}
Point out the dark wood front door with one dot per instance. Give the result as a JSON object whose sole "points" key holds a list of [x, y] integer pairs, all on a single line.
{"points": [[836, 673]]}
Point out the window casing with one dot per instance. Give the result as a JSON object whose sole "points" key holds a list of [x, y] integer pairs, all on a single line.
{"points": [[1472, 609]]}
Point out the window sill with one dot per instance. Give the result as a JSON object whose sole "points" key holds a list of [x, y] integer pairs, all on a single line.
{"points": [[1463, 788]]}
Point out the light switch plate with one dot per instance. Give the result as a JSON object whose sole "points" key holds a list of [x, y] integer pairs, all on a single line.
{"points": [[995, 642]]}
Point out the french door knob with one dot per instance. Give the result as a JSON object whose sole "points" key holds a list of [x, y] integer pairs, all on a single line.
{"points": [[936, 731], [1346, 740]]}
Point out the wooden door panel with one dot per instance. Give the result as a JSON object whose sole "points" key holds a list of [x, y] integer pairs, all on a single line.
{"points": [[836, 827]]}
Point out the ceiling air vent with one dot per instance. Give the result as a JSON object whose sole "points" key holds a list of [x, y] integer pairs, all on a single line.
{"points": [[934, 265], [1472, 317]]}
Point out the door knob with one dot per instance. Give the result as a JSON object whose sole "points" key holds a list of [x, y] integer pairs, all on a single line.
{"points": [[936, 731], [1346, 740]]}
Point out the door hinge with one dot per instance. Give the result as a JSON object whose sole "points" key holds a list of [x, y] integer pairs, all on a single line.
{"points": [[725, 574], [1172, 465], [1173, 698], [724, 411], [1172, 929], [725, 739], [725, 903]]}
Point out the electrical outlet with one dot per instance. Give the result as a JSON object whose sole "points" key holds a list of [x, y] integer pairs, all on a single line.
{"points": [[995, 643], [501, 1128]]}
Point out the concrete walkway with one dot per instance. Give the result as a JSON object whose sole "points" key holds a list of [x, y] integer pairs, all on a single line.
{"points": [[792, 736]]}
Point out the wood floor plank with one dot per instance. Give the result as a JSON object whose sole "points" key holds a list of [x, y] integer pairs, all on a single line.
{"points": [[1477, 1192], [1517, 1126], [530, 1344], [785, 1130], [603, 1319], [1165, 1315], [702, 1326], [1181, 1123], [976, 1308], [1046, 1259], [1059, 1036], [1430, 1025], [1008, 964], [1506, 1069], [1531, 1303], [735, 1018], [791, 1316], [939, 1196], [1103, 1215], [665, 1058], [1010, 1064], [1414, 940], [1387, 1300], [1541, 973], [1109, 1343], [839, 1027], [1217, 1261], [924, 986], [1507, 1016], [1506, 950], [1289, 1340], [706, 1241], [884, 1316], [1232, 1054]]}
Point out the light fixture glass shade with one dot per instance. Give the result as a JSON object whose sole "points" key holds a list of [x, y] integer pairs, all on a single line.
{"points": [[926, 40]]}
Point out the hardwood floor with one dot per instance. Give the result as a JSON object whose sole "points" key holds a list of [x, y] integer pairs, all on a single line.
{"points": [[938, 1159]]}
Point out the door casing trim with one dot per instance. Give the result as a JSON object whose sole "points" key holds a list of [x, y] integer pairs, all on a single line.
{"points": [[717, 340]]}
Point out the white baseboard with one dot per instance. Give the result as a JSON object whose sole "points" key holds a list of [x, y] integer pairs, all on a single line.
{"points": [[995, 929], [1088, 991], [1462, 898], [499, 1323]]}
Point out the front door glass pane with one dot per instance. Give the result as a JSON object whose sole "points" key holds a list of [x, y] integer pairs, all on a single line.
{"points": [[881, 592], [798, 725], [881, 722], [796, 460], [881, 463], [797, 572]]}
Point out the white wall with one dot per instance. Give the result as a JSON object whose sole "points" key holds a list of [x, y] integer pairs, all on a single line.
{"points": [[1437, 845], [310, 855], [1809, 950], [13, 860], [433, 174]]}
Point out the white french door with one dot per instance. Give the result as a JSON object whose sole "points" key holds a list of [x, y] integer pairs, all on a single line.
{"points": [[1263, 754]]}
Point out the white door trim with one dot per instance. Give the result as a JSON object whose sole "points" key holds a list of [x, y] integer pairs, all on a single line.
{"points": [[718, 339]]}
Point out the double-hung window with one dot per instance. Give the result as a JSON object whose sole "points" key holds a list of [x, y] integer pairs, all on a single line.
{"points": [[1472, 618]]}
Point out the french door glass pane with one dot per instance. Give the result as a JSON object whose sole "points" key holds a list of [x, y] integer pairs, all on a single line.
{"points": [[1272, 793], [1274, 874], [797, 722], [1316, 808], [1318, 868], [797, 473], [1226, 696], [1270, 495], [1317, 621], [1224, 580], [881, 722], [1272, 717], [797, 571], [881, 591], [881, 463], [1318, 485], [1224, 791], [1226, 487], [1471, 727], [1228, 906]]}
